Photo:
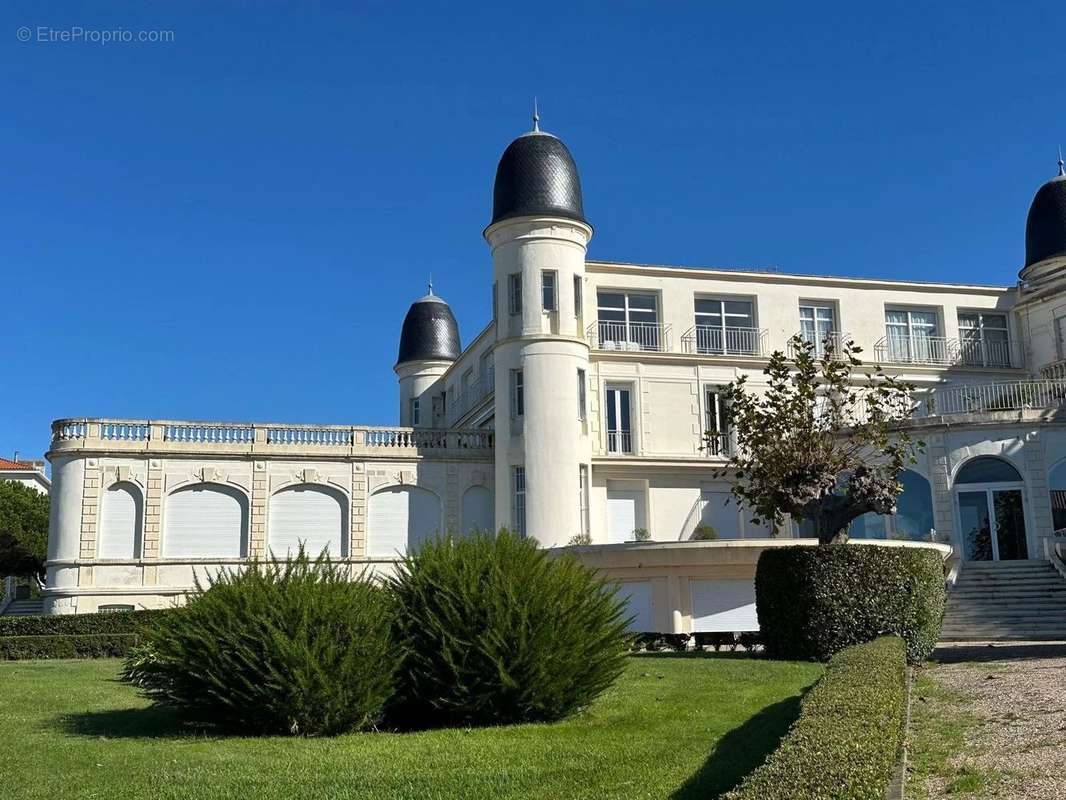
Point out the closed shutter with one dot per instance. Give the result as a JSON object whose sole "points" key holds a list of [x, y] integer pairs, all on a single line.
{"points": [[637, 596], [203, 522], [401, 517], [308, 515], [119, 520], [478, 513], [723, 606], [621, 515]]}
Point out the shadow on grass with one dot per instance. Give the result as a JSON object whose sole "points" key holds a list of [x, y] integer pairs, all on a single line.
{"points": [[740, 751], [129, 723]]}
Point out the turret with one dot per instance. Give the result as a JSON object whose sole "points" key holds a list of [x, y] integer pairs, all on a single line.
{"points": [[429, 343]]}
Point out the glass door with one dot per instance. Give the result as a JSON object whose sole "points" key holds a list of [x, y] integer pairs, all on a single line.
{"points": [[619, 439], [1010, 524], [976, 526], [992, 523]]}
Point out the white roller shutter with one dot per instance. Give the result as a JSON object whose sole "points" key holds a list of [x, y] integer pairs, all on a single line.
{"points": [[118, 523], [723, 606], [621, 515], [637, 595], [203, 522], [308, 515], [400, 517], [478, 510]]}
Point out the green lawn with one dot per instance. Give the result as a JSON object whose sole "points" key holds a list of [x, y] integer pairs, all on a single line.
{"points": [[678, 726]]}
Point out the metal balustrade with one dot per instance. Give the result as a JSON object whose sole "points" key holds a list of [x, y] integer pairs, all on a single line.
{"points": [[634, 336], [984, 397], [619, 442], [718, 445], [473, 395], [713, 340], [832, 341], [940, 351]]}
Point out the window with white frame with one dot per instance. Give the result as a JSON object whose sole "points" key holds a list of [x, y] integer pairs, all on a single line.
{"points": [[628, 321], [619, 413], [495, 289], [514, 292], [717, 423], [582, 405], [518, 500], [984, 339], [817, 325], [415, 416], [577, 295], [518, 403], [725, 326], [914, 335], [1060, 335], [547, 290], [583, 497]]}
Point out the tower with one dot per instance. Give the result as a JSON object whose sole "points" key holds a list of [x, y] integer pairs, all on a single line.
{"points": [[429, 343], [539, 237]]}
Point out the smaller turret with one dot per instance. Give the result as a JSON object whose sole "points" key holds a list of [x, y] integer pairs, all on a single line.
{"points": [[429, 343]]}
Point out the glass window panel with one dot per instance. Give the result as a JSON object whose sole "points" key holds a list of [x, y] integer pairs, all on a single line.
{"points": [[969, 320], [610, 300], [975, 525], [896, 317], [707, 306], [738, 307], [642, 301], [1010, 524], [988, 469]]}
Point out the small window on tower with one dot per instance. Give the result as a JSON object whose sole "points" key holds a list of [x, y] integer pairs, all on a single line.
{"points": [[415, 420], [515, 292], [518, 405], [578, 302], [547, 284]]}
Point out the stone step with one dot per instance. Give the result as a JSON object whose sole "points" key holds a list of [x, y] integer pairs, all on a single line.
{"points": [[992, 631], [999, 636], [24, 608], [1030, 606], [1000, 586]]}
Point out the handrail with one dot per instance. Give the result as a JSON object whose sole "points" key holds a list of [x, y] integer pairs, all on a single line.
{"points": [[983, 397], [713, 340], [637, 336]]}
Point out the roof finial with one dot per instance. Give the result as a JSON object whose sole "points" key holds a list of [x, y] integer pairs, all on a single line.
{"points": [[536, 117], [431, 283], [1062, 167]]}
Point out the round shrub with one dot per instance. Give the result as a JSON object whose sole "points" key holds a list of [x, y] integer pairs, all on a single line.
{"points": [[815, 601], [290, 647], [495, 631]]}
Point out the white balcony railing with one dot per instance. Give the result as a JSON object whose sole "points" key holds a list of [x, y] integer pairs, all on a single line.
{"points": [[717, 446], [473, 395], [637, 336], [984, 397], [940, 351], [823, 342], [619, 442], [983, 353], [714, 340]]}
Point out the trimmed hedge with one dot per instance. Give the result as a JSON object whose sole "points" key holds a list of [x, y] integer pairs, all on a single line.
{"points": [[78, 624], [92, 645], [846, 743], [815, 601]]}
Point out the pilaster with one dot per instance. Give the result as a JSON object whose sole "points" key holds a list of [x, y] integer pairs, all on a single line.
{"points": [[260, 495], [153, 504], [357, 517]]}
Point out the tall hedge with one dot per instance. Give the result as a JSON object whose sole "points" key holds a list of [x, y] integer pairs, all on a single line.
{"points": [[846, 742], [67, 645], [815, 601], [111, 622]]}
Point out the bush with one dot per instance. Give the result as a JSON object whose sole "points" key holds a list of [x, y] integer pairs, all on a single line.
{"points": [[847, 740], [641, 535], [289, 647], [92, 645], [78, 624], [580, 540], [704, 533], [815, 601], [658, 642], [496, 631]]}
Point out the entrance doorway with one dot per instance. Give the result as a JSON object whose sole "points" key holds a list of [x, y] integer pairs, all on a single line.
{"points": [[990, 497]]}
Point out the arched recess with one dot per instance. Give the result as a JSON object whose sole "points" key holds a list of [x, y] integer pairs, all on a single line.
{"points": [[205, 520], [121, 515], [309, 514], [913, 519], [1057, 487], [400, 518], [987, 469], [478, 510], [990, 506]]}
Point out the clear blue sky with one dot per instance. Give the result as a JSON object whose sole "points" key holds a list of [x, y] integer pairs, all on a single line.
{"points": [[232, 225]]}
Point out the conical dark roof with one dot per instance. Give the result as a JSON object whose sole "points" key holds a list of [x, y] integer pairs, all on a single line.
{"points": [[1045, 229], [429, 332], [537, 176]]}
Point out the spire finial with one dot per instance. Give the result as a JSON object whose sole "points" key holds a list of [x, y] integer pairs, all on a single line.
{"points": [[536, 117], [1062, 166], [431, 283]]}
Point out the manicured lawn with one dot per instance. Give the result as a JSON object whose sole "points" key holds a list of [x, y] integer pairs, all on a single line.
{"points": [[674, 726]]}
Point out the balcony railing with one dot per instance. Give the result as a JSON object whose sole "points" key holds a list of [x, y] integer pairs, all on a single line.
{"points": [[983, 353], [713, 340], [473, 395], [823, 342], [637, 336], [940, 351], [619, 442], [983, 397], [214, 437], [717, 446]]}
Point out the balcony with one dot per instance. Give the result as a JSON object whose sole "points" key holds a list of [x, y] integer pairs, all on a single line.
{"points": [[989, 397], [650, 337], [619, 442], [832, 340], [472, 396], [713, 340], [718, 446], [939, 351]]}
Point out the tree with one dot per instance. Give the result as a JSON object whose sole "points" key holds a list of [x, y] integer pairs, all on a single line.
{"points": [[23, 531], [823, 442]]}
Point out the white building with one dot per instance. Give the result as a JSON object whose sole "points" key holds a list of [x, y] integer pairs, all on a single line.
{"points": [[580, 409], [28, 473]]}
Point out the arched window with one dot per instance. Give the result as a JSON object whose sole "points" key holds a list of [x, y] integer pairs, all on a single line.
{"points": [[399, 518], [311, 515], [913, 519], [987, 469], [477, 510], [1057, 485], [206, 520], [120, 522]]}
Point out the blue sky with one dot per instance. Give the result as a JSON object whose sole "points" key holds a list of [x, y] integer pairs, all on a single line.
{"points": [[231, 225]]}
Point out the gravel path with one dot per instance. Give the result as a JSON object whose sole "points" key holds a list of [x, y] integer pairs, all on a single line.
{"points": [[1018, 695]]}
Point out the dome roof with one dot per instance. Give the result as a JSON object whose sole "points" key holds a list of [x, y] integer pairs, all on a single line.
{"points": [[1045, 230], [429, 331], [537, 176]]}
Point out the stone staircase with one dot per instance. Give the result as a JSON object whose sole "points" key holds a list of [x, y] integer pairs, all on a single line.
{"points": [[22, 608], [1004, 601]]}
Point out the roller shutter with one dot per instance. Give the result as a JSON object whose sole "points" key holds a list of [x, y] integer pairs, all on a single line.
{"points": [[204, 522], [119, 522], [309, 515], [400, 517]]}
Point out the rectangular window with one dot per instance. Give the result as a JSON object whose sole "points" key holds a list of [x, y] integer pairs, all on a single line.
{"points": [[547, 289], [717, 424], [582, 410], [495, 289], [518, 500], [514, 292], [583, 497], [518, 405], [984, 339], [914, 336], [725, 327], [415, 418], [578, 298], [817, 325], [619, 431], [628, 322]]}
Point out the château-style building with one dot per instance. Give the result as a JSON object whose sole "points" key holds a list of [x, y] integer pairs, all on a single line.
{"points": [[580, 410]]}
